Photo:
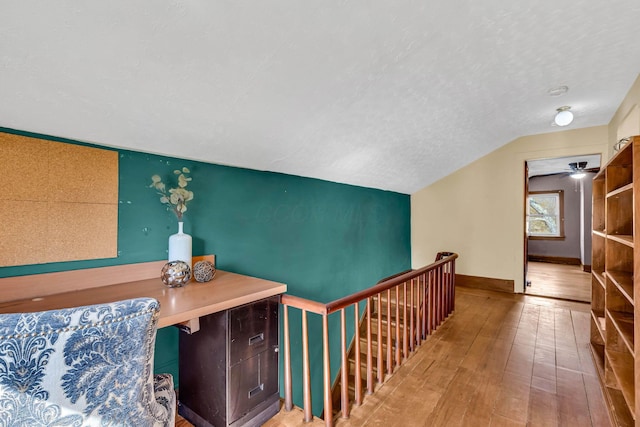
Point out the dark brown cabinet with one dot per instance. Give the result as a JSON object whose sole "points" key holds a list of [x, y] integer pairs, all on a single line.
{"points": [[229, 368]]}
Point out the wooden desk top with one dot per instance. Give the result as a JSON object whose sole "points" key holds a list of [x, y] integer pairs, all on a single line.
{"points": [[177, 305]]}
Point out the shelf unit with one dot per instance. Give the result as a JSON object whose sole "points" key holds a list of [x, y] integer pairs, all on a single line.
{"points": [[614, 320]]}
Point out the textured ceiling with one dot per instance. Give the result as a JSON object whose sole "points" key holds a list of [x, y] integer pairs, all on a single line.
{"points": [[384, 94]]}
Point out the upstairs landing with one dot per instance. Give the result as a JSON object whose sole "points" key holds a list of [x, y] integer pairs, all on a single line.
{"points": [[500, 359]]}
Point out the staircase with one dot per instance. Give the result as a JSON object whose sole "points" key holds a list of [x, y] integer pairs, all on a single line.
{"points": [[398, 314], [390, 326]]}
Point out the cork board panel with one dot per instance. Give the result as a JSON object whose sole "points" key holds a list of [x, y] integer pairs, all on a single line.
{"points": [[78, 231], [65, 207], [85, 174], [22, 237], [25, 159]]}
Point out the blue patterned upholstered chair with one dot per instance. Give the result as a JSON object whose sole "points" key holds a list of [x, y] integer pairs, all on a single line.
{"points": [[83, 366]]}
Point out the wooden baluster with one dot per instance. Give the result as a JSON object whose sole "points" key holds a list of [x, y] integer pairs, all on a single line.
{"points": [[420, 312], [358, 363], [369, 350], [453, 285], [447, 278], [405, 338], [427, 302], [288, 393], [416, 336], [438, 298], [432, 301], [436, 276], [432, 305], [345, 367], [326, 363], [447, 285], [389, 346], [434, 282], [445, 291], [306, 375], [423, 325], [398, 340], [442, 296], [429, 297], [412, 306], [438, 288], [425, 306], [450, 292], [380, 360]]}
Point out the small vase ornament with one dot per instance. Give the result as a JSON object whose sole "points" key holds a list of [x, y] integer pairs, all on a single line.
{"points": [[180, 246], [203, 271], [175, 274]]}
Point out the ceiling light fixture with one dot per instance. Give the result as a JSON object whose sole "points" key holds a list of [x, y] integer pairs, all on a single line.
{"points": [[563, 117], [578, 175]]}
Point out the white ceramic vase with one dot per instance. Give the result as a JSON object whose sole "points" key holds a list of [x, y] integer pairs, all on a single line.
{"points": [[180, 246]]}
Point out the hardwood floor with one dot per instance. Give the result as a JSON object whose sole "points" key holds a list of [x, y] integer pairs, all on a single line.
{"points": [[559, 281], [500, 360]]}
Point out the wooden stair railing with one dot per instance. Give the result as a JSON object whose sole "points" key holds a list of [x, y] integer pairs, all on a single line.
{"points": [[399, 353], [403, 309]]}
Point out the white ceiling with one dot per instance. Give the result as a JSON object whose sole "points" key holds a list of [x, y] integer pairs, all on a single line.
{"points": [[383, 94]]}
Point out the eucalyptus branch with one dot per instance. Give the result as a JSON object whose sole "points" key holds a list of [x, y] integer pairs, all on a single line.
{"points": [[175, 198]]}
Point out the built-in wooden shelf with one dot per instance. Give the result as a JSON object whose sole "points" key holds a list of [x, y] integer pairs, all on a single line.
{"points": [[597, 352], [614, 256], [600, 321], [599, 275], [623, 322], [613, 396], [623, 280], [601, 325], [621, 238], [622, 367], [620, 190]]}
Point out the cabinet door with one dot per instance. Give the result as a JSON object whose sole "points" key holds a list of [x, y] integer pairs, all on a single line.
{"points": [[253, 329], [251, 382]]}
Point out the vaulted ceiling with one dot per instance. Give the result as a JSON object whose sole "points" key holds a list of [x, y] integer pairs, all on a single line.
{"points": [[384, 94]]}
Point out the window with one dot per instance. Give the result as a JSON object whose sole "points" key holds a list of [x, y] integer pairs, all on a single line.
{"points": [[545, 214]]}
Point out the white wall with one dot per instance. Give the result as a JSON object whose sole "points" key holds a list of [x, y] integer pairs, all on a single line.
{"points": [[585, 216], [478, 211], [626, 121]]}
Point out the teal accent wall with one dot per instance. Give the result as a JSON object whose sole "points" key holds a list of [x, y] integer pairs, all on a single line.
{"points": [[324, 240]]}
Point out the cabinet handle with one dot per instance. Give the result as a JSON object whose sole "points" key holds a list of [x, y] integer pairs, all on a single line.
{"points": [[256, 390], [257, 339]]}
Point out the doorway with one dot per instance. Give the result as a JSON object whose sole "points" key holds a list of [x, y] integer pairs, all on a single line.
{"points": [[562, 281], [558, 226]]}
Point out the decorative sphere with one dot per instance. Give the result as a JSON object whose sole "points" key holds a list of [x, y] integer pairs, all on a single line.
{"points": [[175, 274], [203, 271]]}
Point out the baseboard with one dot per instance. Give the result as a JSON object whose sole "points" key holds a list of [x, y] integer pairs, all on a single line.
{"points": [[486, 283], [586, 268], [555, 259]]}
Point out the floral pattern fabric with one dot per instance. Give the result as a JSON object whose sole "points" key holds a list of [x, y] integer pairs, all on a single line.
{"points": [[84, 366]]}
